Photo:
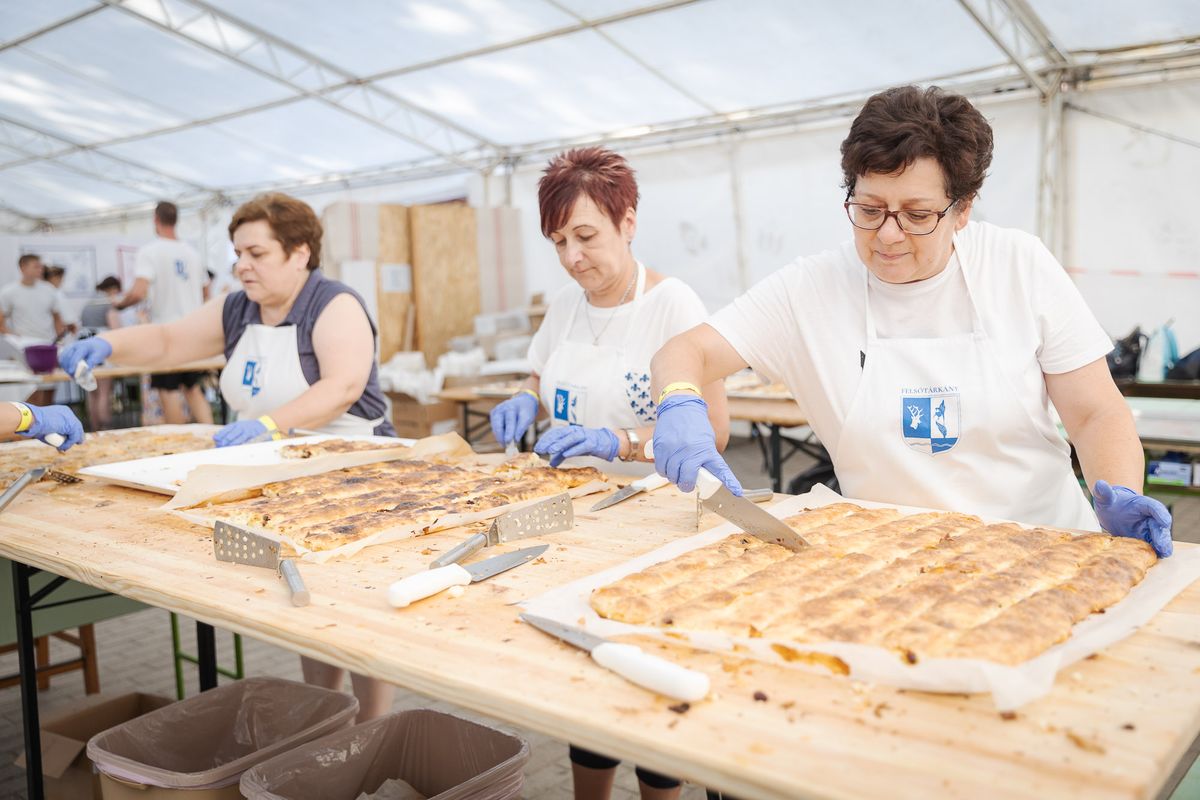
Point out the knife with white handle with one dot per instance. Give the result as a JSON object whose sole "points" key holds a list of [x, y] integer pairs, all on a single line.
{"points": [[630, 662], [407, 591], [647, 484]]}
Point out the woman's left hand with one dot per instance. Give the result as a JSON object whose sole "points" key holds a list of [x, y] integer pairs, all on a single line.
{"points": [[568, 441], [1124, 512]]}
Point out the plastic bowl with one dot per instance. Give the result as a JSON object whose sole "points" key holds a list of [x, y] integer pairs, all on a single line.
{"points": [[42, 358]]}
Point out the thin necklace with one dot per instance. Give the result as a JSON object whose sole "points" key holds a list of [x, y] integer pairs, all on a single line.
{"points": [[607, 322]]}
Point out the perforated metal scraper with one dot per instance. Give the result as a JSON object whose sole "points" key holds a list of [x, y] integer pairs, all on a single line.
{"points": [[545, 516], [231, 543]]}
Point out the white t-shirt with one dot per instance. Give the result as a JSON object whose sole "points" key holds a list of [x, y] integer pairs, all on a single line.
{"points": [[669, 308], [28, 310], [176, 278], [805, 325]]}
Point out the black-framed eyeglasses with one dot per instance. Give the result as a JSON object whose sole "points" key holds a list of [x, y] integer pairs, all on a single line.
{"points": [[914, 222]]}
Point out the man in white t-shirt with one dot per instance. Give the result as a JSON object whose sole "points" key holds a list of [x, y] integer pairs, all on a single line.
{"points": [[930, 351], [169, 274], [32, 309]]}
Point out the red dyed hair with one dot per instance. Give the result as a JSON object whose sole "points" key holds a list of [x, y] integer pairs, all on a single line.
{"points": [[601, 174]]}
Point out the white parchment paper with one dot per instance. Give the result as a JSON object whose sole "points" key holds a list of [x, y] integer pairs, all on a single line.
{"points": [[1010, 687]]}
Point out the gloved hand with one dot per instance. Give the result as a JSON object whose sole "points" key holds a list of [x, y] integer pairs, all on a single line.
{"points": [[513, 417], [94, 350], [55, 419], [1124, 512], [239, 432], [684, 442], [568, 441]]}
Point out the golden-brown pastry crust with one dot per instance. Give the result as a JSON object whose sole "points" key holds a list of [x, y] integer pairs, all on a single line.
{"points": [[98, 448], [925, 585]]}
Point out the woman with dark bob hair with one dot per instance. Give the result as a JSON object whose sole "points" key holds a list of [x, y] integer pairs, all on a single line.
{"points": [[591, 357], [299, 350], [929, 349]]}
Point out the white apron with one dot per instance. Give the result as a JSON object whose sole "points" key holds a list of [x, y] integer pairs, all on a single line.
{"points": [[938, 423], [598, 386], [264, 373]]}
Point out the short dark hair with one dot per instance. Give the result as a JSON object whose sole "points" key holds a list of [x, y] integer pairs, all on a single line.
{"points": [[904, 123], [53, 270], [110, 282], [28, 258], [167, 214], [601, 174], [292, 221]]}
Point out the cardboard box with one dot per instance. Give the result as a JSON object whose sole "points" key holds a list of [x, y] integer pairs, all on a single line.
{"points": [[414, 420], [66, 768], [1169, 473]]}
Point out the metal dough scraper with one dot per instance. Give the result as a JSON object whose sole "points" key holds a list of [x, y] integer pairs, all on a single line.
{"points": [[545, 516], [231, 543]]}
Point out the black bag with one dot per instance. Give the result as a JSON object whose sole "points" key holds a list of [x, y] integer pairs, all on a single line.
{"points": [[1125, 355], [1186, 368]]}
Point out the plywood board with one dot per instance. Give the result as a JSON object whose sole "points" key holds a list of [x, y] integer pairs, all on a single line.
{"points": [[394, 296], [445, 274]]}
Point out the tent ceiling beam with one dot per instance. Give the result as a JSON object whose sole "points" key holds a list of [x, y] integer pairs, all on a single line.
{"points": [[1020, 34], [38, 146], [53, 26], [306, 75]]}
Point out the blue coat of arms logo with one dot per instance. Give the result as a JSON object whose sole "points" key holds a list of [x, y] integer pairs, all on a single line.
{"points": [[930, 421]]}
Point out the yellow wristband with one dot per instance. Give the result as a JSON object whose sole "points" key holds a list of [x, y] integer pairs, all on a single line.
{"points": [[531, 393], [679, 386], [26, 417], [271, 426]]}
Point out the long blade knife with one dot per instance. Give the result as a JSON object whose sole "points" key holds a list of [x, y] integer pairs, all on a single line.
{"points": [[756, 521], [409, 590], [647, 484], [630, 661]]}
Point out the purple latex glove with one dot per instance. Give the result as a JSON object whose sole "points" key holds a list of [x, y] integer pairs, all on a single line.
{"points": [[239, 432], [1124, 512], [513, 417], [568, 441], [55, 419], [684, 442], [94, 350]]}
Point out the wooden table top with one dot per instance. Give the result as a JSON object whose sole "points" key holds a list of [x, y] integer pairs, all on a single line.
{"points": [[781, 411], [1114, 727], [58, 376]]}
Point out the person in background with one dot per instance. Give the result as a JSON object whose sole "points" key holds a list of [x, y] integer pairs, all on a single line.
{"points": [[300, 353], [32, 309], [929, 350], [209, 277], [54, 276], [169, 275], [38, 422], [591, 358]]}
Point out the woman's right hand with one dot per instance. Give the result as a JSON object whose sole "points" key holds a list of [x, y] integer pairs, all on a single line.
{"points": [[95, 351], [684, 442], [513, 417]]}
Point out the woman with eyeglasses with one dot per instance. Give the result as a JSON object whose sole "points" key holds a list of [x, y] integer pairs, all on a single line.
{"points": [[928, 349]]}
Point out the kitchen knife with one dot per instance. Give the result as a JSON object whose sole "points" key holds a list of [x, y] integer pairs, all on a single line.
{"points": [[757, 522], [630, 661], [647, 484], [31, 476], [764, 495], [409, 590], [551, 515]]}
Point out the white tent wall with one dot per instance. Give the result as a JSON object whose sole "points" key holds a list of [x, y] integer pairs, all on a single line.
{"points": [[720, 236], [1133, 213]]}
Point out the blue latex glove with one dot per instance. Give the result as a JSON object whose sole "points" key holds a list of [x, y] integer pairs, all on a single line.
{"points": [[239, 432], [1124, 512], [568, 441], [684, 442], [513, 417], [55, 419], [95, 351]]}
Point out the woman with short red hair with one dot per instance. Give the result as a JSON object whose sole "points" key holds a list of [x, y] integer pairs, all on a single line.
{"points": [[591, 356]]}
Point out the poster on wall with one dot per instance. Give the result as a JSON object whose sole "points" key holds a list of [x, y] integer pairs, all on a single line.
{"points": [[78, 261]]}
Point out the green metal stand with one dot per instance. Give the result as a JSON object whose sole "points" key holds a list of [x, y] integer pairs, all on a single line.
{"points": [[237, 673]]}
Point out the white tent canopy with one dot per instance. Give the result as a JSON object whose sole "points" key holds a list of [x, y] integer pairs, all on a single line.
{"points": [[730, 110], [111, 105]]}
